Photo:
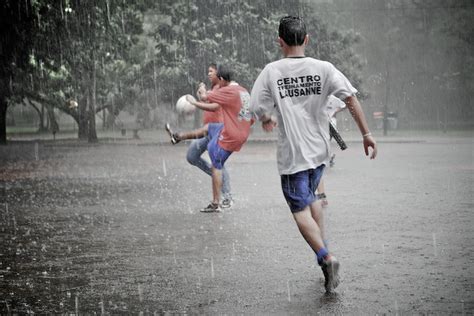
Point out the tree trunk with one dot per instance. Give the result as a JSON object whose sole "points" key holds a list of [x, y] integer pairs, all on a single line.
{"points": [[53, 124], [92, 135], [82, 125], [41, 127]]}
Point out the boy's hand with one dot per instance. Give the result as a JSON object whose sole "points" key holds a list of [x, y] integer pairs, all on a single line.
{"points": [[369, 141], [201, 90], [269, 123]]}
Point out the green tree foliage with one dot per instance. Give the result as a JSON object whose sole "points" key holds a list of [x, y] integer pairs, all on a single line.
{"points": [[72, 53], [243, 33], [96, 55], [17, 27]]}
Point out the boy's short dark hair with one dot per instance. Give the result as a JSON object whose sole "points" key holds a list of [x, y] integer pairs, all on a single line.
{"points": [[224, 72], [292, 30], [213, 65]]}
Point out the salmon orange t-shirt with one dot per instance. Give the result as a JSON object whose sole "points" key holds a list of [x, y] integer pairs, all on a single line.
{"points": [[234, 101], [213, 116]]}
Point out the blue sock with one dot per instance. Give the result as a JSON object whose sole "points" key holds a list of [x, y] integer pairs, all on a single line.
{"points": [[320, 257], [323, 252]]}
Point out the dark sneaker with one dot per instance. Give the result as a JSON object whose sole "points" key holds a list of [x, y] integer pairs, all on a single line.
{"points": [[211, 208], [330, 269], [173, 136], [227, 203]]}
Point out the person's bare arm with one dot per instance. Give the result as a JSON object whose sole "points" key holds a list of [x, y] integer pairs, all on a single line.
{"points": [[356, 111], [203, 105]]}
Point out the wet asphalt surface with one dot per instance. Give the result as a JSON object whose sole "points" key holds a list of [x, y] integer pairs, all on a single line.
{"points": [[116, 229]]}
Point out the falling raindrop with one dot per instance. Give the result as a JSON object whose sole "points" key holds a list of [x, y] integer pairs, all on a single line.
{"points": [[212, 267], [77, 304], [140, 293], [164, 167], [14, 225], [434, 245], [102, 307], [288, 288], [6, 210], [36, 152], [383, 254], [108, 10]]}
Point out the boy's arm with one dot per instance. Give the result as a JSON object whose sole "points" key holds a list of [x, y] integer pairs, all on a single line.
{"points": [[203, 105], [356, 110]]}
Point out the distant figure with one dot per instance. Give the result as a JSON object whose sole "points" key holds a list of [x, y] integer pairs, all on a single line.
{"points": [[297, 87], [334, 106]]}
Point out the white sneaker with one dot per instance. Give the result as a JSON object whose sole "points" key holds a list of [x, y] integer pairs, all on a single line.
{"points": [[227, 203]]}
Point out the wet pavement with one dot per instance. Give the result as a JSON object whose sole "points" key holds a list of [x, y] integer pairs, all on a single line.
{"points": [[115, 228]]}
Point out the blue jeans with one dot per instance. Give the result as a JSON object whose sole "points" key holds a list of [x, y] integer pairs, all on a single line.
{"points": [[195, 151]]}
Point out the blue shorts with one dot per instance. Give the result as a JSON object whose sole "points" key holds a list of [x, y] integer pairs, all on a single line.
{"points": [[299, 188], [217, 154]]}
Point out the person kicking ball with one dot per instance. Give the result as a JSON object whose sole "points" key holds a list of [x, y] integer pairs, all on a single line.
{"points": [[225, 138]]}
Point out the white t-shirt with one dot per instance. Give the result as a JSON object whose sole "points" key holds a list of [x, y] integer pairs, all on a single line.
{"points": [[333, 106], [297, 89]]}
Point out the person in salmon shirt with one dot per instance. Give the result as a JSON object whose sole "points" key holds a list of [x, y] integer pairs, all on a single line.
{"points": [[224, 138], [198, 146]]}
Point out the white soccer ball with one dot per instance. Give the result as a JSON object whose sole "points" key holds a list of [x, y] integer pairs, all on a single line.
{"points": [[184, 107]]}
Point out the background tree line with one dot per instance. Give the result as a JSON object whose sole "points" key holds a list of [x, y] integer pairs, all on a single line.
{"points": [[86, 57]]}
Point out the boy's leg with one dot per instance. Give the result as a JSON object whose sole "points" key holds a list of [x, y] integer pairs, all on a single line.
{"points": [[318, 216], [216, 185], [194, 134], [312, 234], [309, 228], [299, 191], [193, 156], [321, 193], [218, 157], [226, 194], [195, 151], [317, 212]]}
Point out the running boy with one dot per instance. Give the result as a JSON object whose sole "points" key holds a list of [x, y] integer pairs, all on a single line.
{"points": [[297, 87]]}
